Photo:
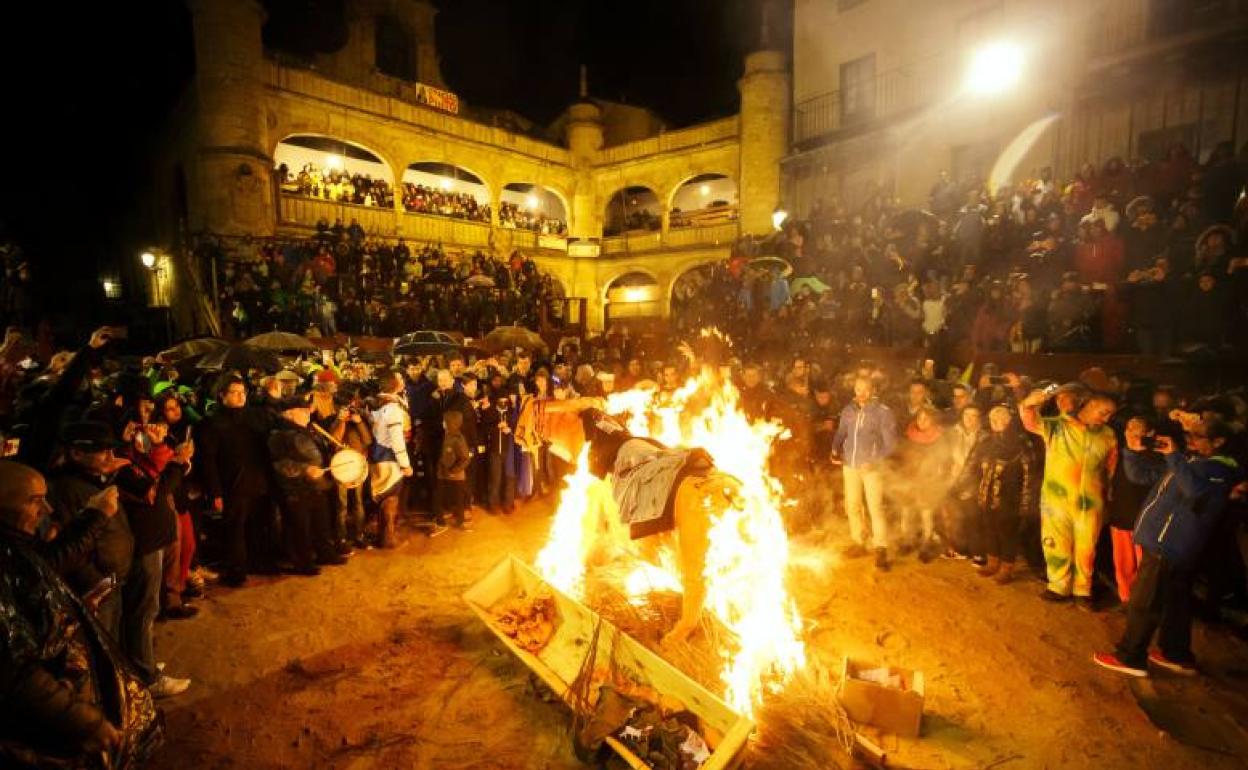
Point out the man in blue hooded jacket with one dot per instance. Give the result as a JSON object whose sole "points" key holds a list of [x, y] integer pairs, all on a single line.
{"points": [[1189, 494]]}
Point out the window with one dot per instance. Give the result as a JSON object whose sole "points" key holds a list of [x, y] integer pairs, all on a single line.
{"points": [[858, 90]]}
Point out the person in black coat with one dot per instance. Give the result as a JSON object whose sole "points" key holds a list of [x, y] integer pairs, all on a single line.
{"points": [[234, 459], [1002, 475], [299, 461], [54, 711], [89, 469]]}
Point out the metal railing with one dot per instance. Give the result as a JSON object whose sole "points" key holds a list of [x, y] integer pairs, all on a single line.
{"points": [[886, 96]]}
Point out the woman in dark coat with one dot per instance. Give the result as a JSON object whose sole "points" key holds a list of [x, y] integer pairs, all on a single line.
{"points": [[1001, 476]]}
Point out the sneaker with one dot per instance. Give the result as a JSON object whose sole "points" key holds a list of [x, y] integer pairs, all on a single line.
{"points": [[438, 529], [205, 574], [979, 561], [854, 551], [193, 591], [1173, 666], [953, 555], [1113, 663], [881, 560], [926, 554], [168, 686], [1053, 598]]}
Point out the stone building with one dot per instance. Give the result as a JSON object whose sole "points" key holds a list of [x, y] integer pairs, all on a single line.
{"points": [[881, 104], [380, 103]]}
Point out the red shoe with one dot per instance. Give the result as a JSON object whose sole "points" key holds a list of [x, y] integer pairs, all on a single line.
{"points": [[1161, 661], [1110, 661]]}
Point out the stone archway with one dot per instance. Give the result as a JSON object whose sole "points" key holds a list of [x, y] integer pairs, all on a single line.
{"points": [[703, 199], [632, 208]]}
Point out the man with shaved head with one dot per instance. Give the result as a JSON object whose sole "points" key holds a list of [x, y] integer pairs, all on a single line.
{"points": [[50, 705]]}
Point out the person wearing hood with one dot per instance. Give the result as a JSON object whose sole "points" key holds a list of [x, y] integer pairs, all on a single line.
{"points": [[1189, 495], [1000, 477]]}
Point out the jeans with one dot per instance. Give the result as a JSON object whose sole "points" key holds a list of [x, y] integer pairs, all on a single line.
{"points": [[502, 488], [349, 521], [860, 482], [140, 604], [1161, 601]]}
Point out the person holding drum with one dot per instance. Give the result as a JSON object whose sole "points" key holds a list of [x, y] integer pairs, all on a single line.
{"points": [[303, 480]]}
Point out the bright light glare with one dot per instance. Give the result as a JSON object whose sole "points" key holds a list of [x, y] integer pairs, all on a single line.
{"points": [[334, 162], [148, 259], [446, 183], [705, 190], [531, 201], [777, 218], [636, 294], [995, 68]]}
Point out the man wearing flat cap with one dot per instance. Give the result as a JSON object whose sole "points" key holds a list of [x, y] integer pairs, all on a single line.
{"points": [[299, 462]]}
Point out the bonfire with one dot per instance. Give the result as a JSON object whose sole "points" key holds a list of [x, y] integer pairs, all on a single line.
{"points": [[760, 648]]}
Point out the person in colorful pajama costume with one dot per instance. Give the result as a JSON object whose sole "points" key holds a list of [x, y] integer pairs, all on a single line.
{"points": [[1081, 452]]}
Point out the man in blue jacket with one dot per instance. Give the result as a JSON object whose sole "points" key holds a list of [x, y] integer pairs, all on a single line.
{"points": [[865, 437], [1180, 514]]}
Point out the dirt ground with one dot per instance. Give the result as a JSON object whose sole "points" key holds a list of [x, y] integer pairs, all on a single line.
{"points": [[379, 664]]}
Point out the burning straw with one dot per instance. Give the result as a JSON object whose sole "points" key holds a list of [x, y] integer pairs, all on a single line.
{"points": [[803, 727]]}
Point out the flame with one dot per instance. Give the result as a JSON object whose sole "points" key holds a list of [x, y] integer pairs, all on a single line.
{"points": [[749, 549]]}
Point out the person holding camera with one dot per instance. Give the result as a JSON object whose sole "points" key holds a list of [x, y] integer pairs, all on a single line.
{"points": [[1190, 492]]}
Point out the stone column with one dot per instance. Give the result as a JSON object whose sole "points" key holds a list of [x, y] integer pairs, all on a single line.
{"points": [[764, 137], [230, 187], [584, 137]]}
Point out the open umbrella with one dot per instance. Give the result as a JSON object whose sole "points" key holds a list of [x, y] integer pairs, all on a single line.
{"points": [[809, 282], [510, 337], [423, 348], [242, 358], [282, 341], [189, 348], [771, 263], [480, 281]]}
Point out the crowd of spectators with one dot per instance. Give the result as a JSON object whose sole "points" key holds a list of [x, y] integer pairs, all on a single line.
{"points": [[341, 186], [423, 199], [522, 218], [341, 281], [335, 185], [1141, 257]]}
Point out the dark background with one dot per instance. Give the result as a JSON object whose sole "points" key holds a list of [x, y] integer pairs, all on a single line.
{"points": [[88, 88]]}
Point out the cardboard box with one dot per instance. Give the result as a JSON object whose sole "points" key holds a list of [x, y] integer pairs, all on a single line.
{"points": [[896, 710]]}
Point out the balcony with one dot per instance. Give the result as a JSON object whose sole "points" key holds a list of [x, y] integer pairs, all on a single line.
{"points": [[301, 213], [888, 96], [675, 238], [669, 141], [1124, 29]]}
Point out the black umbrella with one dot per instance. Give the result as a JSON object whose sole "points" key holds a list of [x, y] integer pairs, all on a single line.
{"points": [[424, 348], [190, 348], [242, 358]]}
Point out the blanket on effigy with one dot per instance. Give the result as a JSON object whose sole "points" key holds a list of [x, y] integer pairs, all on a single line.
{"points": [[644, 481]]}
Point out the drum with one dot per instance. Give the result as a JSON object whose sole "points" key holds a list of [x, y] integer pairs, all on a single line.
{"points": [[349, 468]]}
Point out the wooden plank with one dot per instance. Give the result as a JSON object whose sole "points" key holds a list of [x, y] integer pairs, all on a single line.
{"points": [[559, 662]]}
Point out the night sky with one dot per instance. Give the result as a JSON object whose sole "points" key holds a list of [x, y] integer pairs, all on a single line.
{"points": [[89, 87]]}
